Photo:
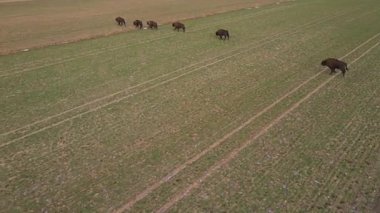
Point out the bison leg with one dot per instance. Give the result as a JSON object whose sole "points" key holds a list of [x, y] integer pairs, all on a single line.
{"points": [[343, 71], [332, 70]]}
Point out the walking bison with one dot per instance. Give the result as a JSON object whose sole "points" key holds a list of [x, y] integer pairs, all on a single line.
{"points": [[223, 34], [178, 25], [333, 64], [120, 21], [152, 25], [138, 24]]}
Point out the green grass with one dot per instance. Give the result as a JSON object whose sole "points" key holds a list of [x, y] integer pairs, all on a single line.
{"points": [[36, 23], [98, 156], [321, 157]]}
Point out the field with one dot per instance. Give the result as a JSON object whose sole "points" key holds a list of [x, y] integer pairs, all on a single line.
{"points": [[184, 122], [29, 24]]}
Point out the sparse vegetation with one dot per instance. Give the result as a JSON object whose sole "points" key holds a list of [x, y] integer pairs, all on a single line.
{"points": [[249, 124]]}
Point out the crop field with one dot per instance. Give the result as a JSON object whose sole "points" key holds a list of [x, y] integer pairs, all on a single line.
{"points": [[29, 24], [165, 121]]}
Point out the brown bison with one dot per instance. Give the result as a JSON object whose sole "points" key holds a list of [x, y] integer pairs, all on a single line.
{"points": [[120, 21], [138, 24], [152, 24], [223, 34], [178, 25], [333, 64]]}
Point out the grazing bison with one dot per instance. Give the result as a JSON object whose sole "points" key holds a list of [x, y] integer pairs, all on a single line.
{"points": [[120, 21], [333, 64], [223, 34], [178, 25], [138, 24], [152, 24]]}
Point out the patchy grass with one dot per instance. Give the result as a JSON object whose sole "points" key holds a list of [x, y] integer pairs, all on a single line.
{"points": [[87, 126], [37, 23]]}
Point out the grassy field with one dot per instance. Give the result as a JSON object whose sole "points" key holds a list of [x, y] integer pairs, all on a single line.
{"points": [[183, 122], [35, 23]]}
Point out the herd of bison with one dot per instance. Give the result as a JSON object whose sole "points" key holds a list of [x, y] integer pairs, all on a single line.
{"points": [[331, 63]]}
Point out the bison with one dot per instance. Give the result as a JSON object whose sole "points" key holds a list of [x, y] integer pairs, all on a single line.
{"points": [[152, 24], [120, 21], [333, 64], [178, 25], [223, 34], [138, 24]]}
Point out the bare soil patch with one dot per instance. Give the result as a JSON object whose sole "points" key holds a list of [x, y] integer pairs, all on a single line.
{"points": [[377, 205], [9, 1], [35, 24]]}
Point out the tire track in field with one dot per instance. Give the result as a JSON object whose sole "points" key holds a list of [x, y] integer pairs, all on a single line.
{"points": [[371, 170], [167, 35], [44, 159], [45, 156], [133, 43], [343, 150], [366, 153], [146, 82], [340, 151], [115, 130], [235, 122], [336, 161], [116, 93], [238, 52], [279, 160], [329, 186], [154, 186], [99, 99], [179, 196]]}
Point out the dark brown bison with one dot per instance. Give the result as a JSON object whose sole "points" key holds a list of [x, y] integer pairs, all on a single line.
{"points": [[178, 25], [152, 25], [120, 21], [223, 34], [333, 64], [138, 24]]}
